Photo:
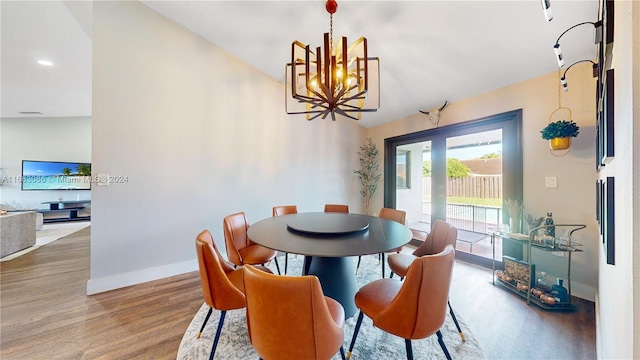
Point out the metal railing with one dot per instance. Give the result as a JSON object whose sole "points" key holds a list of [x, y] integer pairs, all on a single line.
{"points": [[476, 218]]}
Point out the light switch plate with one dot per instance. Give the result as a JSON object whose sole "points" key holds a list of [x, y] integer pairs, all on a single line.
{"points": [[551, 182]]}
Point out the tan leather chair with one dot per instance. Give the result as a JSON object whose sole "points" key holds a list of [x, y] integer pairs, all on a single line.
{"points": [[336, 208], [285, 210], [442, 234], [222, 285], [413, 309], [398, 216], [240, 249], [290, 318]]}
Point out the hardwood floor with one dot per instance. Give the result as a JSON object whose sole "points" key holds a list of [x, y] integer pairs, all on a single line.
{"points": [[46, 314]]}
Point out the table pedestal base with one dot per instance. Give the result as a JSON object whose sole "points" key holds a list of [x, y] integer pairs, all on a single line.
{"points": [[337, 277]]}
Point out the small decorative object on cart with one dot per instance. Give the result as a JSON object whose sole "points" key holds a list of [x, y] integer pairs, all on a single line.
{"points": [[516, 269], [521, 285], [548, 299], [532, 222], [559, 291], [514, 208], [536, 292], [543, 283], [550, 230]]}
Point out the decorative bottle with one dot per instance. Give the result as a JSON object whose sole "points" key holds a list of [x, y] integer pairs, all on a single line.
{"points": [[543, 283], [560, 292], [551, 230]]}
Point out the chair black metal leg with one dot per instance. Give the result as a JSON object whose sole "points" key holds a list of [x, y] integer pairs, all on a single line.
{"points": [[286, 262], [455, 321], [277, 265], [342, 353], [382, 255], [215, 340], [442, 345], [407, 344], [355, 333], [204, 323], [358, 265], [391, 275]]}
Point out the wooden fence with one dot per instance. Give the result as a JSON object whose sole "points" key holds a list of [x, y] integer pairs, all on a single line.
{"points": [[484, 187]]}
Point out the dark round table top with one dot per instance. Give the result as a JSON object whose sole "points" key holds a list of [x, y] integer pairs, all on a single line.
{"points": [[329, 234]]}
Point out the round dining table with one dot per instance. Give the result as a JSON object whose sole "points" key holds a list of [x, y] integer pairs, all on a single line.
{"points": [[328, 241]]}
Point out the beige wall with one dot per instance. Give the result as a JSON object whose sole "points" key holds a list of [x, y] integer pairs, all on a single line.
{"points": [[618, 300], [199, 135], [573, 201]]}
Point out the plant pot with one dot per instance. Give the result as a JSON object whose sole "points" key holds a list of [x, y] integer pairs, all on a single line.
{"points": [[560, 143]]}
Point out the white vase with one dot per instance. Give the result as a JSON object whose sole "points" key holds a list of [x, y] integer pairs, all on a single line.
{"points": [[515, 225]]}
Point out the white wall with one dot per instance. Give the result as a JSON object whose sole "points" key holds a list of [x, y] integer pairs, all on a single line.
{"points": [[574, 199], [47, 139], [410, 200], [199, 135], [618, 298]]}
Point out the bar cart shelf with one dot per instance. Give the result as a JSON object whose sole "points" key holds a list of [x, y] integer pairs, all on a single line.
{"points": [[541, 246]]}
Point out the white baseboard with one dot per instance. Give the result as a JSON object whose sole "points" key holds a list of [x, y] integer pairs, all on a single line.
{"points": [[583, 291], [113, 282]]}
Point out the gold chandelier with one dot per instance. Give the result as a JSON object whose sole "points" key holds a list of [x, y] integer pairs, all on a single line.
{"points": [[334, 80]]}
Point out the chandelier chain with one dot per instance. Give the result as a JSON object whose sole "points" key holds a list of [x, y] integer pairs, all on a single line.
{"points": [[331, 33]]}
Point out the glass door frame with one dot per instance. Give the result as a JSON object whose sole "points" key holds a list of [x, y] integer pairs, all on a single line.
{"points": [[512, 162]]}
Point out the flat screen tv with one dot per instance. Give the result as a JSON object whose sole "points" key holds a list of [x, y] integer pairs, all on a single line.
{"points": [[55, 175]]}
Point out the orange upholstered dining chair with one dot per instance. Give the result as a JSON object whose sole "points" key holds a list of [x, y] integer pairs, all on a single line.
{"points": [[442, 234], [222, 285], [336, 208], [285, 210], [398, 216], [282, 326], [412, 309], [240, 249]]}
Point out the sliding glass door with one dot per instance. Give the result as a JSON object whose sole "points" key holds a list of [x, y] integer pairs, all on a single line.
{"points": [[474, 189], [458, 173]]}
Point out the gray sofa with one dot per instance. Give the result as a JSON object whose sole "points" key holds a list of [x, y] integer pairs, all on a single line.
{"points": [[17, 231]]}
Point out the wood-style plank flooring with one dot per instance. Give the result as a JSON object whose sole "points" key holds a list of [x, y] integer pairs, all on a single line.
{"points": [[45, 313]]}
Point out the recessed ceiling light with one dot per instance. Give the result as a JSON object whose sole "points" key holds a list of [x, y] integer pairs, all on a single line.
{"points": [[45, 63]]}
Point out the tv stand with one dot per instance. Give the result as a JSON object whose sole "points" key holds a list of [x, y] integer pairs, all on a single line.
{"points": [[66, 211]]}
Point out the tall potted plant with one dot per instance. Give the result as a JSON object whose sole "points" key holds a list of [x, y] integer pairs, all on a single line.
{"points": [[369, 172], [559, 133]]}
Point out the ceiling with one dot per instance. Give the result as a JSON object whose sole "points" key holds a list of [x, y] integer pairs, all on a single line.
{"points": [[430, 51]]}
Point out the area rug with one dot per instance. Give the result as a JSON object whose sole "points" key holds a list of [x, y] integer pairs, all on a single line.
{"points": [[48, 234], [372, 343]]}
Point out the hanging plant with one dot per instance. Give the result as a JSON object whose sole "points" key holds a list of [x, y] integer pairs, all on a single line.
{"points": [[369, 172], [560, 129], [559, 134]]}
